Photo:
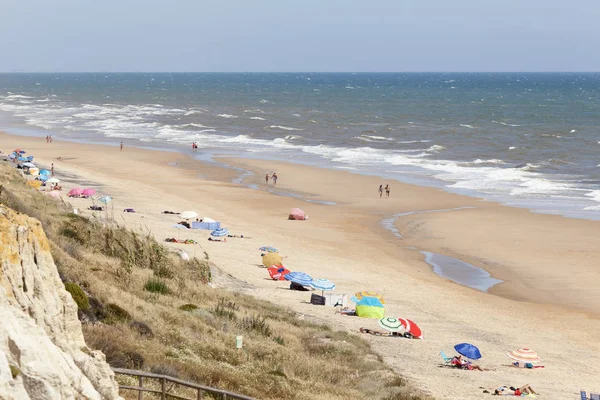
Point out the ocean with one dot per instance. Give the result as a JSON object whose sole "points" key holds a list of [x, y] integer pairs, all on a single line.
{"points": [[524, 139]]}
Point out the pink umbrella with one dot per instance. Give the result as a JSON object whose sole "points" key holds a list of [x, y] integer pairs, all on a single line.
{"points": [[297, 214], [75, 192], [53, 193], [88, 192]]}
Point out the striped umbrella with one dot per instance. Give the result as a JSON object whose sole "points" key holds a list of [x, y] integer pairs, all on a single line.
{"points": [[300, 278], [524, 355], [391, 324], [322, 284], [103, 199], [219, 232], [269, 249], [359, 295], [412, 328]]}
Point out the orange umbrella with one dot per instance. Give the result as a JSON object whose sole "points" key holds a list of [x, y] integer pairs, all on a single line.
{"points": [[366, 293]]}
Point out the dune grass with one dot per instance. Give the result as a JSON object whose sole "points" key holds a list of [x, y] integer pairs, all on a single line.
{"points": [[151, 310]]}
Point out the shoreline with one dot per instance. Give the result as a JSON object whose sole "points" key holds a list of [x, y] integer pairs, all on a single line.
{"points": [[346, 243]]}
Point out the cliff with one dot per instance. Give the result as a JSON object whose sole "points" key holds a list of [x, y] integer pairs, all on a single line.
{"points": [[43, 354]]}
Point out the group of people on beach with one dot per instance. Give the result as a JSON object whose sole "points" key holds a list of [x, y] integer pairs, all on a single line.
{"points": [[48, 138], [194, 146], [387, 190], [273, 177]]}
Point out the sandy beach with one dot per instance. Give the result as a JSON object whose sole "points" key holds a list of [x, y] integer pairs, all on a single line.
{"points": [[550, 265]]}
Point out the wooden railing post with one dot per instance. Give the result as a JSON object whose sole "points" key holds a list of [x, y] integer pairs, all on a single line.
{"points": [[163, 388], [141, 384], [200, 396]]}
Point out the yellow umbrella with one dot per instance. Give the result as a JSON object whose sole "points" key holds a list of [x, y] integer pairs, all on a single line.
{"points": [[271, 259], [366, 293], [35, 184]]}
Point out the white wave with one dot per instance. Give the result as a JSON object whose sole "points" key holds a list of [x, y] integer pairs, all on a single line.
{"points": [[512, 148], [295, 115], [506, 124], [573, 131], [258, 118], [377, 137], [196, 125], [436, 148], [413, 141], [263, 101], [349, 87], [285, 128], [467, 126], [480, 161], [18, 96], [595, 195], [229, 116], [293, 137], [255, 110]]}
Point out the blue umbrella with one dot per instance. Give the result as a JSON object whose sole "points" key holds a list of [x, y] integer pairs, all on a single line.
{"points": [[105, 199], [219, 232], [468, 350], [322, 284], [300, 278], [23, 159], [43, 178], [45, 172], [269, 249]]}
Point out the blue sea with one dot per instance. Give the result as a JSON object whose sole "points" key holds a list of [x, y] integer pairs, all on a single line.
{"points": [[524, 139]]}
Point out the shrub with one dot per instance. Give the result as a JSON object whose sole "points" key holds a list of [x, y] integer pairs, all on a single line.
{"points": [[142, 328], [188, 307], [162, 271], [78, 295], [279, 340], [156, 286], [15, 371], [114, 313], [257, 324], [226, 309], [162, 369]]}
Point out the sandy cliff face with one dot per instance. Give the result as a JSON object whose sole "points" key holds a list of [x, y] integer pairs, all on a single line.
{"points": [[42, 351]]}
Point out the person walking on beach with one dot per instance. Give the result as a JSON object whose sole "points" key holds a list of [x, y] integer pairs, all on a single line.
{"points": [[47, 139], [121, 146], [380, 190], [274, 176], [387, 190], [52, 170], [50, 138], [267, 178]]}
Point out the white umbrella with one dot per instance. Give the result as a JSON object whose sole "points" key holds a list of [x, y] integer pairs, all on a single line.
{"points": [[53, 180], [208, 219], [189, 214], [28, 165]]}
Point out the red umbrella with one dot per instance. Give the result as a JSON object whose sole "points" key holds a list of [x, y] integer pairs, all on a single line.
{"points": [[75, 192], [411, 328], [277, 273]]}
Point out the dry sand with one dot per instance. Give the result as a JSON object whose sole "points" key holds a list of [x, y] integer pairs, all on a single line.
{"points": [[550, 300]]}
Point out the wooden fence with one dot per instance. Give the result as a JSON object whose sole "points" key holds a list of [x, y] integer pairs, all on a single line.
{"points": [[165, 380]]}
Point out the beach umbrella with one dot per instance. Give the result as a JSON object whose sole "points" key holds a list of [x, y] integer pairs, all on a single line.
{"points": [[88, 192], [359, 295], [271, 259], [53, 193], [53, 180], [524, 355], [34, 183], [189, 215], [278, 273], [297, 214], [411, 327], [11, 156], [179, 226], [322, 284], [44, 178], [23, 159], [468, 350], [391, 324], [45, 172], [269, 249], [28, 165], [18, 151], [208, 219], [300, 278], [75, 192], [221, 232], [105, 199], [370, 307]]}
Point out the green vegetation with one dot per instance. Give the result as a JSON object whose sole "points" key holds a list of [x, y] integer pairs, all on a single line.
{"points": [[78, 295], [14, 371], [189, 330]]}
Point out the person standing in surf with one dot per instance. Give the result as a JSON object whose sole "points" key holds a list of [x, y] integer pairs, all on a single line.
{"points": [[121, 146], [380, 190], [387, 190], [267, 178]]}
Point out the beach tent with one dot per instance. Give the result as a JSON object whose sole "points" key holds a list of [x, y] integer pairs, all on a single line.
{"points": [[297, 214], [271, 259], [365, 293], [208, 219], [189, 214], [370, 307]]}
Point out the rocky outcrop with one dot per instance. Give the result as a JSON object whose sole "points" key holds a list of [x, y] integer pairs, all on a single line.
{"points": [[43, 354]]}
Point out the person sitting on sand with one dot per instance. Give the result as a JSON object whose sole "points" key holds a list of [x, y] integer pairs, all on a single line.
{"points": [[185, 223], [375, 332], [458, 362]]}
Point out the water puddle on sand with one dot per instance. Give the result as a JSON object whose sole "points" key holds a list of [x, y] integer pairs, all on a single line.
{"points": [[460, 272], [445, 266]]}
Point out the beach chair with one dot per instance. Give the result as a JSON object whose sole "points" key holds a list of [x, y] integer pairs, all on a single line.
{"points": [[447, 360], [594, 396], [583, 395]]}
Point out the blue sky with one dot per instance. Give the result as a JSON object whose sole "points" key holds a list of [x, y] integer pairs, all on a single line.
{"points": [[307, 35]]}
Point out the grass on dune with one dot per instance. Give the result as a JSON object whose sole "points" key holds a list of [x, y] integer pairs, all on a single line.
{"points": [[148, 309]]}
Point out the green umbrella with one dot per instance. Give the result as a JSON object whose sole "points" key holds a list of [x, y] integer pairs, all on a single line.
{"points": [[391, 324]]}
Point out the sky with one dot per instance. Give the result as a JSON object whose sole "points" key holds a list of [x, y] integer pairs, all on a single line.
{"points": [[299, 35]]}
